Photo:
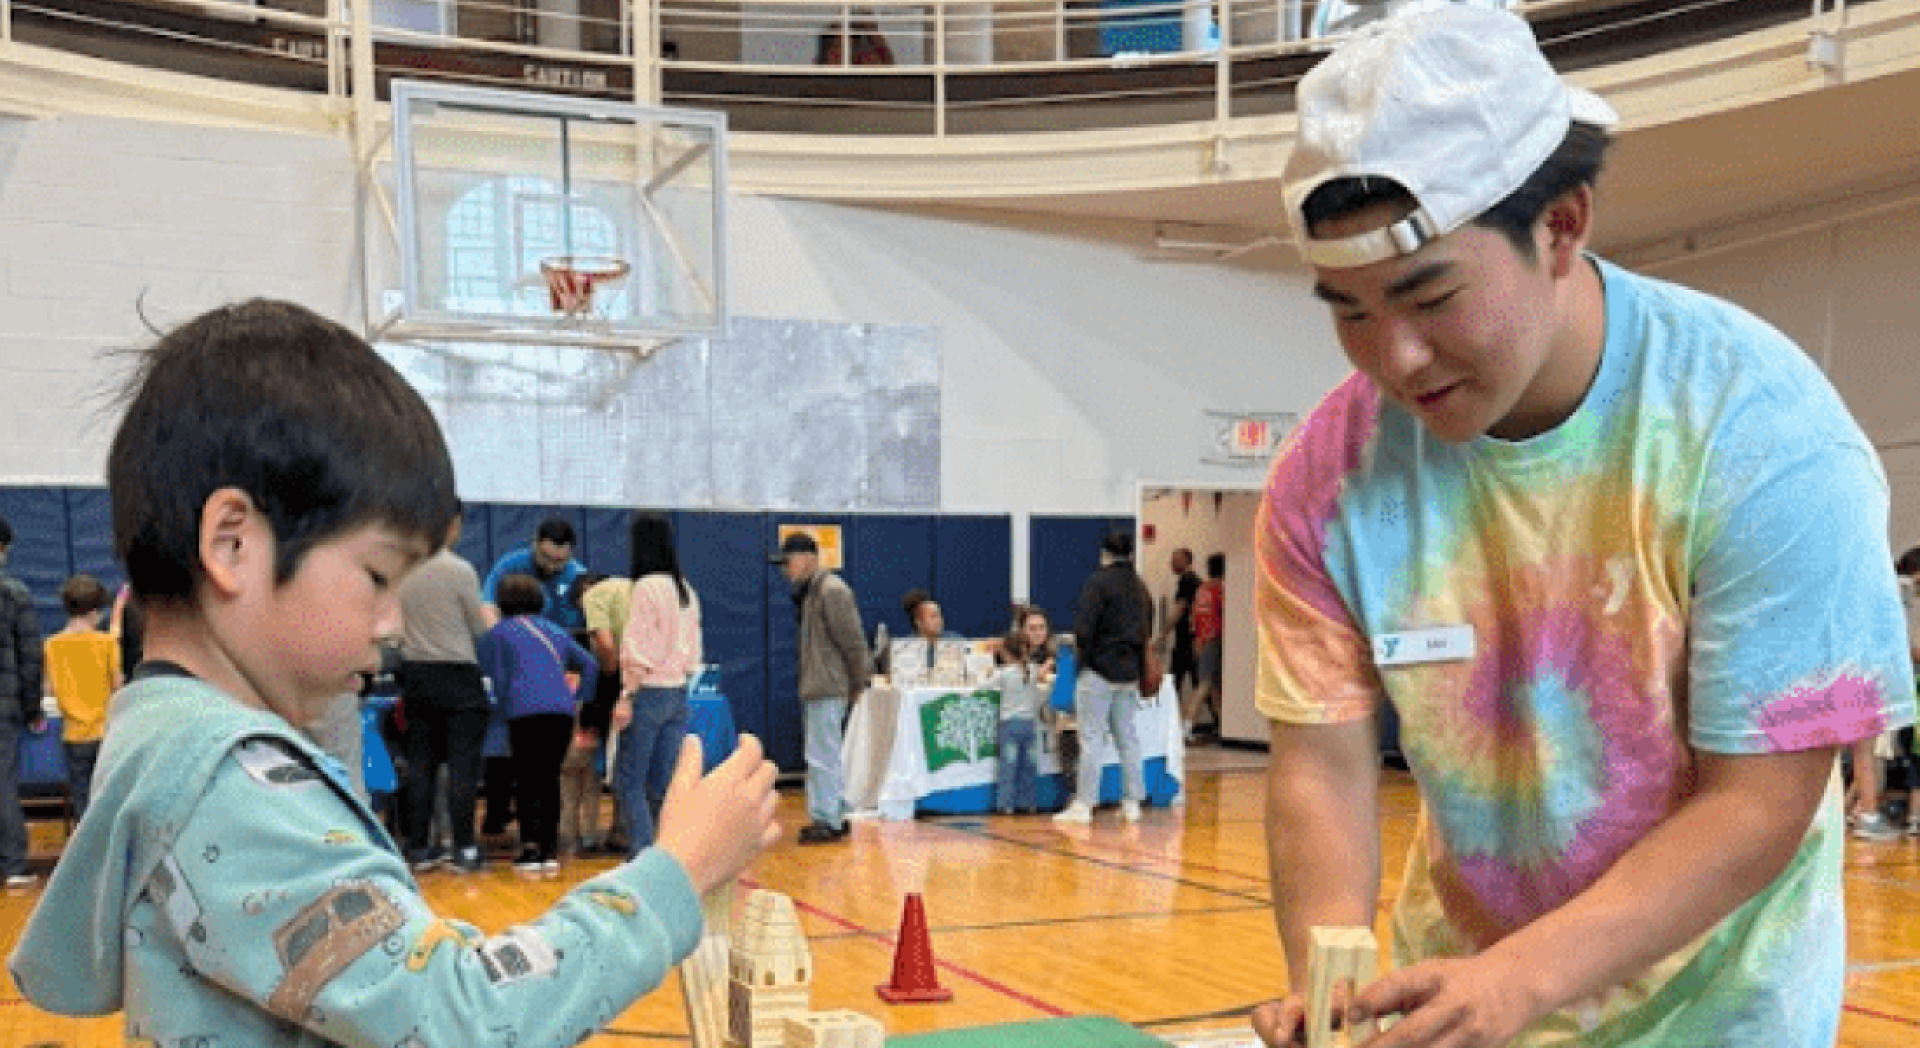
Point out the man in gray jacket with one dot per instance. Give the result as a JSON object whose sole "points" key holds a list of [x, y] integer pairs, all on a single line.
{"points": [[835, 666], [19, 708]]}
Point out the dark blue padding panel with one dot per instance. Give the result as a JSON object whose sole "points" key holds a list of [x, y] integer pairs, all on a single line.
{"points": [[90, 535], [972, 574], [39, 557], [724, 556], [887, 556], [606, 540], [476, 538], [1063, 551]]}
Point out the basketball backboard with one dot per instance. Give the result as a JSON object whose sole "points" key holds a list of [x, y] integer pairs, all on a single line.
{"points": [[533, 218]]}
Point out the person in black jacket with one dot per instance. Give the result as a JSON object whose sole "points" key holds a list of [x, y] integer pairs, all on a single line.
{"points": [[19, 709], [1110, 636]]}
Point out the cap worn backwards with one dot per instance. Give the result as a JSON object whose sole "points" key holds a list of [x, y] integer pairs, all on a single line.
{"points": [[1456, 105]]}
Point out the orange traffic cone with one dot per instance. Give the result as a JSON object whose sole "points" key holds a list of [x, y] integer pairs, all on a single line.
{"points": [[914, 980]]}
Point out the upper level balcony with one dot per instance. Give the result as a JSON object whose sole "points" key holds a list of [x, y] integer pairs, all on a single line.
{"points": [[1133, 108]]}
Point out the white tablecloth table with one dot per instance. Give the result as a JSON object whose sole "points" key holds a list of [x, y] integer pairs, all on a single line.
{"points": [[931, 749]]}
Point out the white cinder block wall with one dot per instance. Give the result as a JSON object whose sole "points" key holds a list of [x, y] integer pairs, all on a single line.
{"points": [[1074, 367]]}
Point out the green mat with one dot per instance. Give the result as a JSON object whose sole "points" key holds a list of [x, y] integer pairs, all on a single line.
{"points": [[1086, 1031]]}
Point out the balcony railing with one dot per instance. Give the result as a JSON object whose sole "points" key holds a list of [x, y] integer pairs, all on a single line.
{"points": [[933, 68]]}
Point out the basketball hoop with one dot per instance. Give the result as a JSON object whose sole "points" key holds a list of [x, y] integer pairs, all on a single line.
{"points": [[572, 278]]}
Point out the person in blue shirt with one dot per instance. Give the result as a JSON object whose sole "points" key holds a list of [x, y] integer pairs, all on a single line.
{"points": [[549, 559]]}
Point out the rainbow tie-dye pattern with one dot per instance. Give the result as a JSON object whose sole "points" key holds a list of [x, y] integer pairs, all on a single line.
{"points": [[1696, 559]]}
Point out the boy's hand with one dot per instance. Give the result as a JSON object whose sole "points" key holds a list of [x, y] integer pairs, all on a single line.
{"points": [[716, 825], [1281, 1023]]}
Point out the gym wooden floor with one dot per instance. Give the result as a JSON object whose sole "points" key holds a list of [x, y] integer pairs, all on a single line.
{"points": [[1164, 924]]}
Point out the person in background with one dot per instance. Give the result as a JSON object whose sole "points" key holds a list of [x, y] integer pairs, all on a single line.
{"points": [[83, 664], [660, 650], [835, 666], [1034, 625], [446, 704], [1110, 635], [606, 604], [1181, 659], [929, 624], [1021, 680], [1209, 609], [549, 560], [528, 658], [580, 776], [20, 691]]}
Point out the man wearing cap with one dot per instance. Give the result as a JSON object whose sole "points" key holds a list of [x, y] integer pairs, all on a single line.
{"points": [[1615, 552], [834, 666]]}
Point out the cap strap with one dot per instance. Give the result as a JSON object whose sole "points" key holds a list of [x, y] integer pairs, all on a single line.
{"points": [[1404, 237]]}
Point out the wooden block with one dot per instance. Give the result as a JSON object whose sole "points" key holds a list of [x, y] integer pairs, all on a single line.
{"points": [[703, 975], [1340, 955]]}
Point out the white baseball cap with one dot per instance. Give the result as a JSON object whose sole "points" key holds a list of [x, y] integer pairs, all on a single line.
{"points": [[1457, 105]]}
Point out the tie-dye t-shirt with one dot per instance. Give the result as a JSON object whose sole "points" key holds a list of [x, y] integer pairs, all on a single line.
{"points": [[1697, 557]]}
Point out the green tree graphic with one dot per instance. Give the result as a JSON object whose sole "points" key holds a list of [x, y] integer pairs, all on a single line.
{"points": [[960, 727]]}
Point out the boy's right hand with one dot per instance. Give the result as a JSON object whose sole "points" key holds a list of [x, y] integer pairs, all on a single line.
{"points": [[716, 824]]}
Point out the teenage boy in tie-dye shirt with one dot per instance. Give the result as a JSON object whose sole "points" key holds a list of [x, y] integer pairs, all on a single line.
{"points": [[1614, 551]]}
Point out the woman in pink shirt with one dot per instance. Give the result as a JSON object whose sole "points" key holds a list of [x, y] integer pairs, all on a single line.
{"points": [[658, 652]]}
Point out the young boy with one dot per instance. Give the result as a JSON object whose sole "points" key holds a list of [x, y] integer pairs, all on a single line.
{"points": [[83, 661], [273, 480], [1614, 551]]}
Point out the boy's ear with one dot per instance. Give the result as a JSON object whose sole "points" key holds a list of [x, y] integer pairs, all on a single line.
{"points": [[230, 536], [1568, 223]]}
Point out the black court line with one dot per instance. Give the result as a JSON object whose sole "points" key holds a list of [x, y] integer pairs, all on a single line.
{"points": [[1108, 864], [644, 1035]]}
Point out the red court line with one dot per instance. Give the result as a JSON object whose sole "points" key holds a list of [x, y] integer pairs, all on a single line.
{"points": [[1871, 1014], [965, 973]]}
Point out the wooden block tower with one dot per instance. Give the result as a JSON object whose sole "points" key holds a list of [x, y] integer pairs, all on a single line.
{"points": [[771, 972], [704, 974]]}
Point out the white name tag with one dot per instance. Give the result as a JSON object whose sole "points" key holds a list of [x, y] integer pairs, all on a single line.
{"points": [[1440, 644]]}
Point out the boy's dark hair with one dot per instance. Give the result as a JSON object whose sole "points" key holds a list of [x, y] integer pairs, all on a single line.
{"points": [[292, 409], [82, 595], [650, 541], [519, 595], [1216, 565], [1575, 162], [557, 530], [1909, 562]]}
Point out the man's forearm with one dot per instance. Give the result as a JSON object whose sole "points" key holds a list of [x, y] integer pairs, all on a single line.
{"points": [[1724, 845], [1323, 834]]}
